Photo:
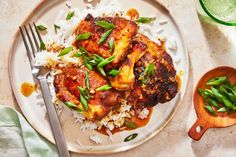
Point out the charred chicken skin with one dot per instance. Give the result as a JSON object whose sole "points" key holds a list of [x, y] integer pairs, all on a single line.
{"points": [[146, 72]]}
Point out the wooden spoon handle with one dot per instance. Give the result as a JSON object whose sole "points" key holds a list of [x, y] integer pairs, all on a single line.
{"points": [[198, 129]]}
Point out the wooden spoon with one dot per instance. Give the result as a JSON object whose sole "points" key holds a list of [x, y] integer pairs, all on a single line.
{"points": [[204, 119]]}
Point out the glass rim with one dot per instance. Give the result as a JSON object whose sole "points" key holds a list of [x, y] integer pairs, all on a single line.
{"points": [[214, 17]]}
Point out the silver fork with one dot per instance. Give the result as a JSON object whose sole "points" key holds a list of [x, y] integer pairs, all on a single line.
{"points": [[40, 73]]}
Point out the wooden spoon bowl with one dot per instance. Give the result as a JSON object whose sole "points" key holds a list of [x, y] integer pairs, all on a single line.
{"points": [[204, 119]]}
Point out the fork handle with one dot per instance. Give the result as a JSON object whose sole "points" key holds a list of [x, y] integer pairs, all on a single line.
{"points": [[53, 119]]}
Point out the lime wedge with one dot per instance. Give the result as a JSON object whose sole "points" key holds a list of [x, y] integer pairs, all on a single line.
{"points": [[222, 11]]}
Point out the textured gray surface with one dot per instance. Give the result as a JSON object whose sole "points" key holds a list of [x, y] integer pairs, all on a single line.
{"points": [[209, 46]]}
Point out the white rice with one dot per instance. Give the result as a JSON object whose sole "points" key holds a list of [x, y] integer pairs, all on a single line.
{"points": [[95, 138]]}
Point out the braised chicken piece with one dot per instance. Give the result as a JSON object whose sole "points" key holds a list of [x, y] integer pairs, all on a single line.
{"points": [[161, 86], [122, 33], [100, 102], [125, 79]]}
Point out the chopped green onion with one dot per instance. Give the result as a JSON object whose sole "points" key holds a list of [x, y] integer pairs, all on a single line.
{"points": [[101, 70], [222, 109], [70, 15], [87, 80], [131, 125], [145, 19], [70, 104], [77, 54], [148, 71], [56, 27], [41, 27], [42, 46], [104, 87], [216, 81], [213, 103], [106, 61], [105, 24], [83, 36], [105, 35], [210, 109], [113, 72], [65, 51], [130, 137], [90, 67], [84, 92], [84, 102], [111, 44]]}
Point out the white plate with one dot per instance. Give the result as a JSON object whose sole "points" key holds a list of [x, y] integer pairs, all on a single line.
{"points": [[35, 113]]}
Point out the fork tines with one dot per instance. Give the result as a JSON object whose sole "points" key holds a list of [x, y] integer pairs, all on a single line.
{"points": [[34, 44]]}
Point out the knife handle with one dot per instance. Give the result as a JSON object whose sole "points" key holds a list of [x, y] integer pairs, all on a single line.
{"points": [[53, 119]]}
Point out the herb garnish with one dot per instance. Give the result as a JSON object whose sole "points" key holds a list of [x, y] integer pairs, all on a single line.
{"points": [[83, 36], [74, 106], [130, 124], [65, 51], [42, 46], [113, 72], [130, 137], [105, 24], [105, 35], [104, 87], [148, 71], [145, 19], [70, 15], [87, 80], [111, 44], [41, 27]]}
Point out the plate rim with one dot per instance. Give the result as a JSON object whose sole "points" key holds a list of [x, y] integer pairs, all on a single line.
{"points": [[117, 150]]}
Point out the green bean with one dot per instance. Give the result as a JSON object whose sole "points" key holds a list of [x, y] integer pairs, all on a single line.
{"points": [[228, 104], [217, 95]]}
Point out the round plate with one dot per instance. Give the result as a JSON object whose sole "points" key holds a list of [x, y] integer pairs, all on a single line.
{"points": [[35, 112]]}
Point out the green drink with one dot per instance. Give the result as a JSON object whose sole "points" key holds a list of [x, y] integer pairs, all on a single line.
{"points": [[221, 11]]}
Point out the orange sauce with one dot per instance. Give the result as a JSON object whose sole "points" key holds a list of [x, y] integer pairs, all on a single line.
{"points": [[27, 88], [139, 123], [132, 13], [179, 81]]}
